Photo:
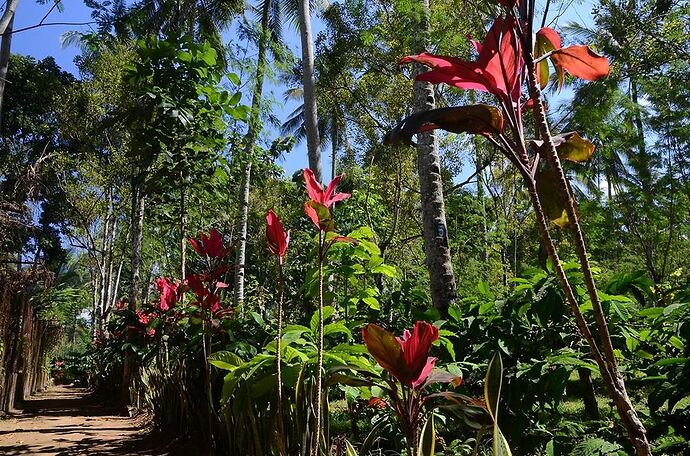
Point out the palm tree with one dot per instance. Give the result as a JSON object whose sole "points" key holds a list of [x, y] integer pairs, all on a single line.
{"points": [[437, 251], [269, 36], [309, 83], [332, 125], [202, 20]]}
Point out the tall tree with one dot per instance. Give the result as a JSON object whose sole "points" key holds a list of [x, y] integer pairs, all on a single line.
{"points": [[437, 251], [309, 82], [269, 37]]}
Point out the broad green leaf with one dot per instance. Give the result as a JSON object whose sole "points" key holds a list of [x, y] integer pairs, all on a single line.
{"points": [[492, 385], [385, 269], [328, 312], [225, 360]]}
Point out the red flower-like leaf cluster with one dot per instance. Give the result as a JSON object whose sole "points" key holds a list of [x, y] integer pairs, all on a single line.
{"points": [[168, 290], [278, 239], [318, 207], [407, 358], [206, 290], [497, 69], [210, 246]]}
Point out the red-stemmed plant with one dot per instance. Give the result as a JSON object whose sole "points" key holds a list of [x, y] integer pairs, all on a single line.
{"points": [[512, 56], [318, 209], [278, 240]]}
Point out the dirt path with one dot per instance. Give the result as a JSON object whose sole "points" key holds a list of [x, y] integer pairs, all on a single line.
{"points": [[69, 421]]}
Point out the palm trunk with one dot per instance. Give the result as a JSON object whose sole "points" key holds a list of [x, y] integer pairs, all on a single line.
{"points": [[252, 135], [308, 80], [438, 256], [5, 51]]}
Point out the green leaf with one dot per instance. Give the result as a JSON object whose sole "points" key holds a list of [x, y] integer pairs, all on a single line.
{"points": [[551, 197], [349, 449], [501, 447], [492, 385], [328, 312], [373, 303], [225, 360], [427, 438], [233, 78], [385, 269]]}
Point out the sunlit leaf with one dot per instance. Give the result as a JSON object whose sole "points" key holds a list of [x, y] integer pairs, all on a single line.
{"points": [[547, 40], [581, 62], [492, 385], [320, 215], [551, 197], [501, 447], [349, 449], [570, 146]]}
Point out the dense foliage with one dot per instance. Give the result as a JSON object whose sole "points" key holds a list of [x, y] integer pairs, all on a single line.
{"points": [[151, 238]]}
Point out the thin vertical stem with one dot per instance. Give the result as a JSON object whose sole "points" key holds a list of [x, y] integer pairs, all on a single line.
{"points": [[609, 368], [279, 369], [319, 367]]}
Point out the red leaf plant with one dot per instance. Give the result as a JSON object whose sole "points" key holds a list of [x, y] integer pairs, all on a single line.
{"points": [[168, 290], [318, 207], [276, 236], [206, 290], [497, 69], [210, 246], [406, 359]]}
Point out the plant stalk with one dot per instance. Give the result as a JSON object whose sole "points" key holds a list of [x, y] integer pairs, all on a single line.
{"points": [[609, 368]]}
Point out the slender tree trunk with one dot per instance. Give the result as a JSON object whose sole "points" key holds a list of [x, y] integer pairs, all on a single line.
{"points": [[334, 144], [5, 52], [484, 256], [240, 266], [309, 81], [438, 257], [588, 395], [252, 135], [183, 228], [138, 206]]}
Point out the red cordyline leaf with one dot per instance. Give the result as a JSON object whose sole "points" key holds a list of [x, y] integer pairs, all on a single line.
{"points": [[316, 192], [581, 62], [497, 69], [406, 358], [550, 35], [211, 246], [168, 292], [278, 239]]}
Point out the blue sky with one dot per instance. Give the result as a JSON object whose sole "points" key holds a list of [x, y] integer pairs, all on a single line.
{"points": [[45, 41]]}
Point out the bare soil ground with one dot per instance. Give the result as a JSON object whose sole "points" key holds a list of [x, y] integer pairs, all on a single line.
{"points": [[69, 421]]}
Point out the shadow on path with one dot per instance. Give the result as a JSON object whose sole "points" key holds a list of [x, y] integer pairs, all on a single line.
{"points": [[70, 421]]}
